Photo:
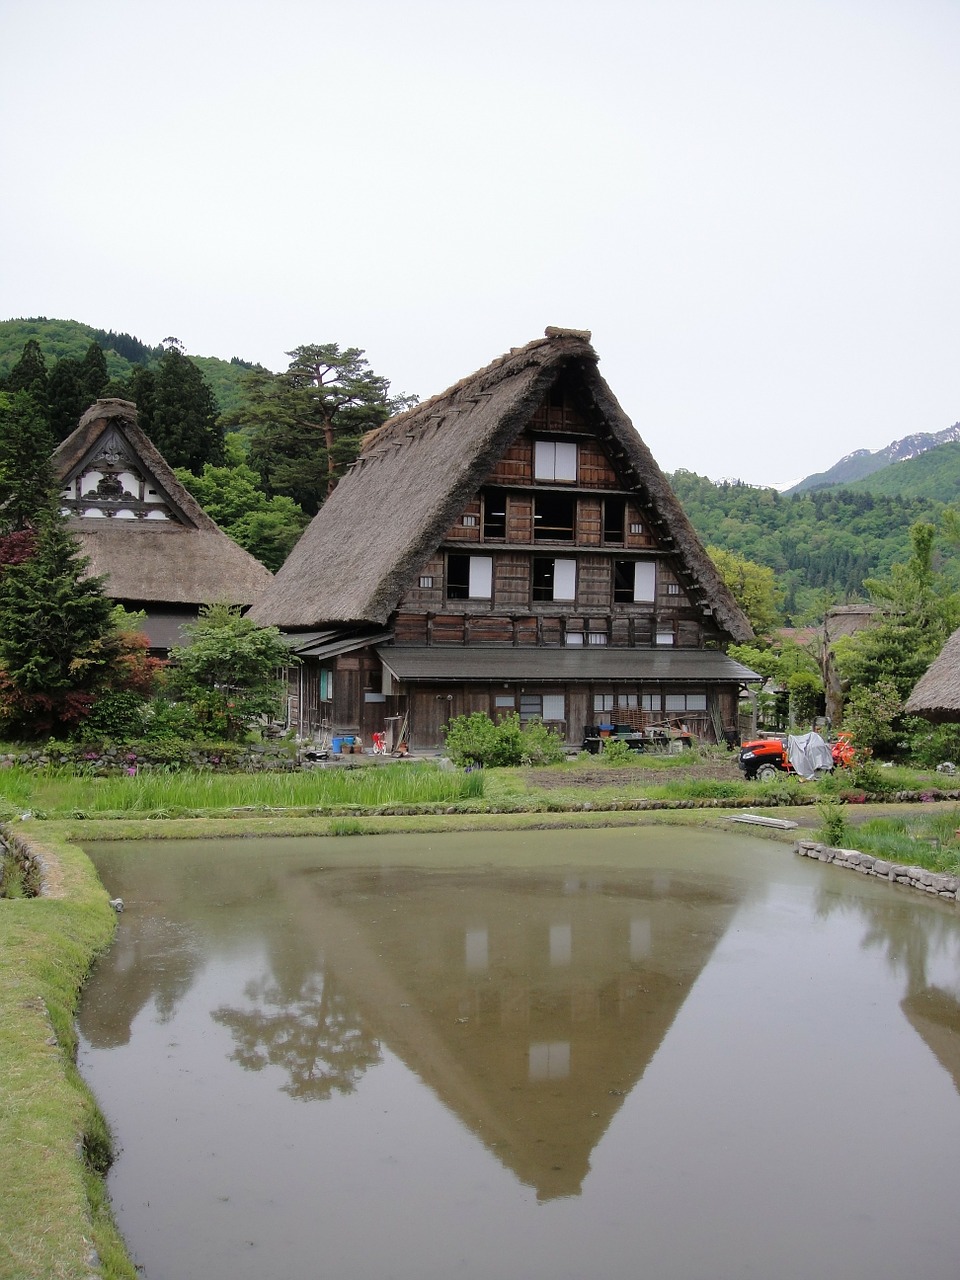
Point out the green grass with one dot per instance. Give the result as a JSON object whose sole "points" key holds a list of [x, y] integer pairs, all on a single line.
{"points": [[53, 1206], [919, 839], [58, 793]]}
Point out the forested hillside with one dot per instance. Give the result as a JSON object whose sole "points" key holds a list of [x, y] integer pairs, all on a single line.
{"points": [[820, 544], [70, 340]]}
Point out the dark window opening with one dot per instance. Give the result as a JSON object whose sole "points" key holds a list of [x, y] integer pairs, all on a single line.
{"points": [[542, 579], [458, 577], [554, 516], [623, 581], [494, 514], [614, 515]]}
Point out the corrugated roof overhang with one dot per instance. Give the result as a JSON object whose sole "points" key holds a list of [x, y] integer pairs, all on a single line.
{"points": [[436, 663], [328, 644]]}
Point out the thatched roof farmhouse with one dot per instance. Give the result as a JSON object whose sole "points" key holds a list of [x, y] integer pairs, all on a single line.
{"points": [[510, 544], [936, 695], [137, 524]]}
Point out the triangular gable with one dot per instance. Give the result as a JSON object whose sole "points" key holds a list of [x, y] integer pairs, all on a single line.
{"points": [[112, 481], [109, 469], [137, 524], [416, 473]]}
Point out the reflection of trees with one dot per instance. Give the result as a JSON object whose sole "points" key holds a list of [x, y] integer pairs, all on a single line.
{"points": [[906, 930], [152, 958], [910, 932], [312, 1032]]}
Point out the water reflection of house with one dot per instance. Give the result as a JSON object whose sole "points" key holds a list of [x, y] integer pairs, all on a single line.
{"points": [[158, 549], [935, 1016], [530, 1004]]}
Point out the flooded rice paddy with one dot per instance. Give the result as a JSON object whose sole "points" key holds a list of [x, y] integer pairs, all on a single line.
{"points": [[525, 1056]]}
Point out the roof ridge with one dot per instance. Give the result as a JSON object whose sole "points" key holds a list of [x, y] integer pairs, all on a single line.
{"points": [[488, 375]]}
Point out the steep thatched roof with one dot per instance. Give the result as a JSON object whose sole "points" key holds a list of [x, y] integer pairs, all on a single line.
{"points": [[415, 474], [184, 558], [936, 695]]}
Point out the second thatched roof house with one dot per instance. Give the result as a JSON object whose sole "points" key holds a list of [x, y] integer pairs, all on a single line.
{"points": [[158, 549], [509, 545], [936, 695]]}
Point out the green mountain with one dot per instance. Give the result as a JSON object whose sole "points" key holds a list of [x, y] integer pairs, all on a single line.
{"points": [[821, 544], [933, 475], [70, 338], [862, 463]]}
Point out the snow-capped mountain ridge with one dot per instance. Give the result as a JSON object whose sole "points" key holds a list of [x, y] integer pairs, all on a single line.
{"points": [[863, 462]]}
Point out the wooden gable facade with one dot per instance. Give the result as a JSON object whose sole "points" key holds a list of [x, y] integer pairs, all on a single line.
{"points": [[546, 569], [143, 531]]}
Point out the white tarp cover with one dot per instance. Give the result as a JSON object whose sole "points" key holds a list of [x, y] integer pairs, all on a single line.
{"points": [[809, 754]]}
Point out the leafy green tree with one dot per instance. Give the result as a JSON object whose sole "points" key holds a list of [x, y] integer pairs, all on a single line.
{"points": [[306, 424], [230, 671], [806, 696], [753, 586], [178, 411], [881, 664], [266, 527]]}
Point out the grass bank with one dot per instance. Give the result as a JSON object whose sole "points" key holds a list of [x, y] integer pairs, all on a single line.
{"points": [[53, 1209]]}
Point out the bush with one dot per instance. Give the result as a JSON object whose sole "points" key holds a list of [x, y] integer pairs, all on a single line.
{"points": [[540, 744], [116, 716], [476, 740], [931, 744], [616, 752], [833, 825]]}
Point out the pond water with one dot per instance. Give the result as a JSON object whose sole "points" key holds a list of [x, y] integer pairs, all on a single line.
{"points": [[525, 1056]]}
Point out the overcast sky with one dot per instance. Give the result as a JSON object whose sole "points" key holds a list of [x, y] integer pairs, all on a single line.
{"points": [[753, 204]]}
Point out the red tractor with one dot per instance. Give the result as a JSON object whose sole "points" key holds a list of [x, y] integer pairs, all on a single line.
{"points": [[764, 758]]}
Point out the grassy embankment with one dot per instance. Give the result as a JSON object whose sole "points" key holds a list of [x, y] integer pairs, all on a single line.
{"points": [[53, 1210], [52, 1205]]}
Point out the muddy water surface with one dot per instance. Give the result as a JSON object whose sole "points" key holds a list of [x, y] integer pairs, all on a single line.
{"points": [[514, 1056]]}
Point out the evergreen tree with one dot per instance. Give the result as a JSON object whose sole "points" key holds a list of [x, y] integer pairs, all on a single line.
{"points": [[54, 636], [66, 398], [94, 375], [178, 411], [29, 374], [307, 423], [26, 478]]}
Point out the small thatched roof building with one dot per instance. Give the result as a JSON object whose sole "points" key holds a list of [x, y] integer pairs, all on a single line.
{"points": [[936, 695], [140, 528]]}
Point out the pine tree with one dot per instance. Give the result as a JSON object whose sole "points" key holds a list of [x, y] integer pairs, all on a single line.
{"points": [[26, 480], [29, 374], [308, 422], [178, 411], [55, 626], [93, 374], [67, 401]]}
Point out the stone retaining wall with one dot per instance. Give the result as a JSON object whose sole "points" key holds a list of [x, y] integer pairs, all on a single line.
{"points": [[936, 883], [14, 850]]}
